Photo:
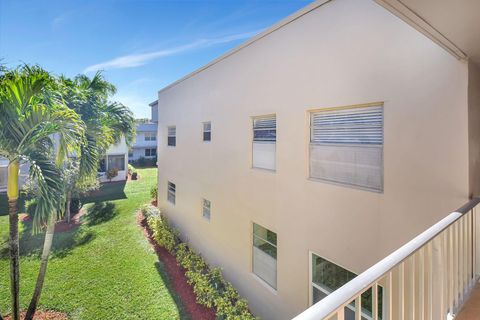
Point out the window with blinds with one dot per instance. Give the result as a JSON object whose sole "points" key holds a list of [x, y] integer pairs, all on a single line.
{"points": [[346, 146], [171, 192], [207, 131], [264, 142], [172, 136]]}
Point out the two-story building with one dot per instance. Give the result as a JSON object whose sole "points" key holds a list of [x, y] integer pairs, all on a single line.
{"points": [[145, 145], [307, 154]]}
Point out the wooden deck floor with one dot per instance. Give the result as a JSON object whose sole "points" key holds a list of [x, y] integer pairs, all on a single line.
{"points": [[471, 308]]}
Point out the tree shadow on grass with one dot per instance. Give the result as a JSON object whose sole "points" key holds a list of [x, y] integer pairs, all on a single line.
{"points": [[108, 192], [63, 242], [100, 212], [168, 283]]}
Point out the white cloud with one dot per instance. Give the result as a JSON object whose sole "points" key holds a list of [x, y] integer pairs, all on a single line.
{"points": [[136, 60]]}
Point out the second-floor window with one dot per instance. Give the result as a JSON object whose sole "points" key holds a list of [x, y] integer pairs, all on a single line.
{"points": [[264, 142], [150, 136], [207, 131], [172, 136], [346, 146]]}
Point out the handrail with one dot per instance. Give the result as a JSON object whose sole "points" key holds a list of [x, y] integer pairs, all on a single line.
{"points": [[342, 296]]}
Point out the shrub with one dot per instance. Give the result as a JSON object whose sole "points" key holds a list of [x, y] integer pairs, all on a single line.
{"points": [[130, 169], [154, 192], [112, 173], [211, 289], [134, 175], [75, 205]]}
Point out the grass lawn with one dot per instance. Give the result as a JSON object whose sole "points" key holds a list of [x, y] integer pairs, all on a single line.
{"points": [[103, 270]]}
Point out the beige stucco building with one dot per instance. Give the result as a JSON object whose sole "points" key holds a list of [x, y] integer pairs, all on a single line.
{"points": [[400, 114]]}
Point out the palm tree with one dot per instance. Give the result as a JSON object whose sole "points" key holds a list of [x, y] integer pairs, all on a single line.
{"points": [[31, 116], [106, 122]]}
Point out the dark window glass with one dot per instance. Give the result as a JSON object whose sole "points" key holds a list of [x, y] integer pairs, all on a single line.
{"points": [[172, 141], [207, 136]]}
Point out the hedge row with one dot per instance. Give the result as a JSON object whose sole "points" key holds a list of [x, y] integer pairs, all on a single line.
{"points": [[211, 289]]}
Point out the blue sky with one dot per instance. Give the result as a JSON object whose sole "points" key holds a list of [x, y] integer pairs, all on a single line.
{"points": [[142, 45]]}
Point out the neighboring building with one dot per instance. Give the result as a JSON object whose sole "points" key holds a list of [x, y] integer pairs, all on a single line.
{"points": [[145, 145], [4, 174], [115, 157], [312, 151]]}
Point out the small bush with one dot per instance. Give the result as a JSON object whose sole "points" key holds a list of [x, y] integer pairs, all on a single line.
{"points": [[134, 175], [112, 173], [154, 192], [130, 169], [211, 289]]}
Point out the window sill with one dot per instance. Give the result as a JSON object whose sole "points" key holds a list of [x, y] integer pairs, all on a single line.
{"points": [[273, 171], [264, 284]]}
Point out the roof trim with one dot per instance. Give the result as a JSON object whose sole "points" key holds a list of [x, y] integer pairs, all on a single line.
{"points": [[151, 104], [409, 16], [314, 5]]}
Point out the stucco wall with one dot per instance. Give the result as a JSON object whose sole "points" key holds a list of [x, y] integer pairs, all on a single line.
{"points": [[343, 53]]}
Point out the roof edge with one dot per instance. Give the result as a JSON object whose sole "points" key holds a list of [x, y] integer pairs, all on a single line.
{"points": [[305, 10]]}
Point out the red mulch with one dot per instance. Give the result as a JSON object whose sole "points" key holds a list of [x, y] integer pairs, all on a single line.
{"points": [[63, 226], [177, 277], [44, 315]]}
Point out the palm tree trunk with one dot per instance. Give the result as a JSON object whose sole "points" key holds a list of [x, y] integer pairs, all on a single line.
{"points": [[12, 193], [47, 246], [67, 207]]}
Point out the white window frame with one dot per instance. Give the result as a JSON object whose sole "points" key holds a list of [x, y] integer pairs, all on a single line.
{"points": [[257, 142], [150, 136], [313, 285], [377, 146], [206, 209], [171, 192], [207, 128], [172, 133], [269, 285]]}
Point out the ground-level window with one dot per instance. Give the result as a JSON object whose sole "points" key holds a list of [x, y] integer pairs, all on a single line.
{"points": [[206, 207], [328, 277], [172, 136], [116, 162], [150, 152], [264, 142], [265, 254], [171, 190], [346, 146], [207, 131], [3, 177]]}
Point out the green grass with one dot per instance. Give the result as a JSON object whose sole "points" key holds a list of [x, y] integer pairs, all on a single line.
{"points": [[103, 270]]}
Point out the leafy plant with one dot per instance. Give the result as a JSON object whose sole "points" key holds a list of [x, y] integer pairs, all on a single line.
{"points": [[210, 288], [154, 192], [112, 173]]}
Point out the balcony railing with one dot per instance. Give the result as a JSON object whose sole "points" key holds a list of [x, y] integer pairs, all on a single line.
{"points": [[428, 278]]}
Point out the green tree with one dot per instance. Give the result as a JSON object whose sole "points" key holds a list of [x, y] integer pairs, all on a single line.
{"points": [[106, 122], [31, 118]]}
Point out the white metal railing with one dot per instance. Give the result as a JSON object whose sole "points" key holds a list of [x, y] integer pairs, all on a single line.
{"points": [[428, 278]]}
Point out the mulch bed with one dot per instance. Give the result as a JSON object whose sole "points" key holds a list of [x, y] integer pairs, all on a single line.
{"points": [[61, 226], [177, 277], [44, 315]]}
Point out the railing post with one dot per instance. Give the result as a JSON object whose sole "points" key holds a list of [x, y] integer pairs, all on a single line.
{"points": [[438, 284]]}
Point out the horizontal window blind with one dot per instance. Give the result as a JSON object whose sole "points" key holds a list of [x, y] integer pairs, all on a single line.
{"points": [[265, 129], [348, 126], [172, 136], [346, 146], [172, 131], [171, 192]]}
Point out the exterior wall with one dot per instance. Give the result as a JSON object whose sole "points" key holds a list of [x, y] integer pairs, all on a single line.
{"points": [[343, 53], [138, 148], [120, 148], [474, 127], [154, 113]]}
